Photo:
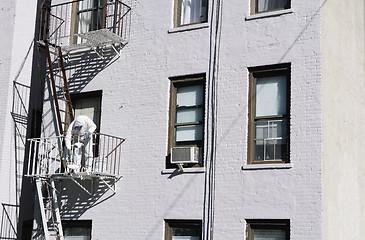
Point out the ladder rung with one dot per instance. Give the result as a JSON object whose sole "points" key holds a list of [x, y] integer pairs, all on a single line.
{"points": [[63, 99], [57, 75], [63, 88], [64, 111]]}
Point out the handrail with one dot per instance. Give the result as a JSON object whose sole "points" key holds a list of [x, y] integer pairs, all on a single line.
{"points": [[100, 153]]}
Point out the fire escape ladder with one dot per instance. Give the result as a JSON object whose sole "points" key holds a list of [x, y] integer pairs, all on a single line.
{"points": [[60, 90], [50, 213]]}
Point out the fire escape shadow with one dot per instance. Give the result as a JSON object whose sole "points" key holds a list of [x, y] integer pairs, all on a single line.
{"points": [[84, 66], [75, 201]]}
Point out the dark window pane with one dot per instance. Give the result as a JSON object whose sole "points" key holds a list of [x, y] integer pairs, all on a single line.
{"points": [[263, 234], [259, 150], [185, 232], [268, 5]]}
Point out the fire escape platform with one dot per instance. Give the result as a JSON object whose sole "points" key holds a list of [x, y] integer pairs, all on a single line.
{"points": [[79, 25], [85, 175], [102, 38]]}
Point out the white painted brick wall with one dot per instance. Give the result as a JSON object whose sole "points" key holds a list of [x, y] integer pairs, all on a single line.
{"points": [[17, 31], [135, 105], [7, 17]]}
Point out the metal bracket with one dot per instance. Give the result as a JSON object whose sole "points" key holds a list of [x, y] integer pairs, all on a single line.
{"points": [[82, 187], [110, 187], [180, 165]]}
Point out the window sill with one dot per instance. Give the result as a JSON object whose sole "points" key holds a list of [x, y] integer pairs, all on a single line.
{"points": [[269, 14], [189, 27], [267, 166], [186, 170]]}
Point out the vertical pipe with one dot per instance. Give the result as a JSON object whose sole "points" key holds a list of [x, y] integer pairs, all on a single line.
{"points": [[119, 20], [104, 14], [115, 15]]}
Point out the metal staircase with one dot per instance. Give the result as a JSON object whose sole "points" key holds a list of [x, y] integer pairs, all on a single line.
{"points": [[48, 204], [60, 91]]}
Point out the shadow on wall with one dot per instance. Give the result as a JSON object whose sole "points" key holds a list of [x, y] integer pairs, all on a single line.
{"points": [[81, 67], [19, 114], [75, 201], [84, 66]]}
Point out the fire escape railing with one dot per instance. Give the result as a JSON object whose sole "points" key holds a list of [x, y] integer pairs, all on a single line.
{"points": [[49, 156], [69, 23]]}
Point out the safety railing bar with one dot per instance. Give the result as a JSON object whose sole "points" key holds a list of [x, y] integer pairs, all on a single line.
{"points": [[122, 16], [47, 155]]}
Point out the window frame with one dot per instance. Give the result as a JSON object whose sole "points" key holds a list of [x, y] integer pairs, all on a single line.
{"points": [[254, 6], [267, 71], [171, 223], [177, 14], [267, 224], [175, 83], [88, 95]]}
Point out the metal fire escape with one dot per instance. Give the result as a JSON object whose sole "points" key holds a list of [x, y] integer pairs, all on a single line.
{"points": [[66, 29]]}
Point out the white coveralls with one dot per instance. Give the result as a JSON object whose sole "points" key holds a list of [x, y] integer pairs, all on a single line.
{"points": [[79, 133]]}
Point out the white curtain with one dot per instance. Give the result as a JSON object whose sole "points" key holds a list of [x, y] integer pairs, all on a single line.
{"points": [[267, 5], [85, 17], [271, 96], [190, 11]]}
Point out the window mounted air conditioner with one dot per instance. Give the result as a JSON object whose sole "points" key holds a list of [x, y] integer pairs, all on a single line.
{"points": [[181, 155]]}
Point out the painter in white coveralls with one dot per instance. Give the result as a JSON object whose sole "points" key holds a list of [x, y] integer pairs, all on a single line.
{"points": [[79, 136]]}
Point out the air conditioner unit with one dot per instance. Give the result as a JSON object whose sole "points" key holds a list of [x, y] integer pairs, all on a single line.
{"points": [[180, 155]]}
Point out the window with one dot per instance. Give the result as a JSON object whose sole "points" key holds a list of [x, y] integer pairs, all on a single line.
{"points": [[187, 112], [268, 230], [183, 229], [269, 106], [259, 6], [190, 12], [77, 230], [88, 104], [88, 15]]}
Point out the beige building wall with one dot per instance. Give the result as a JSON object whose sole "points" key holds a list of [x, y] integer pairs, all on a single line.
{"points": [[343, 116]]}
